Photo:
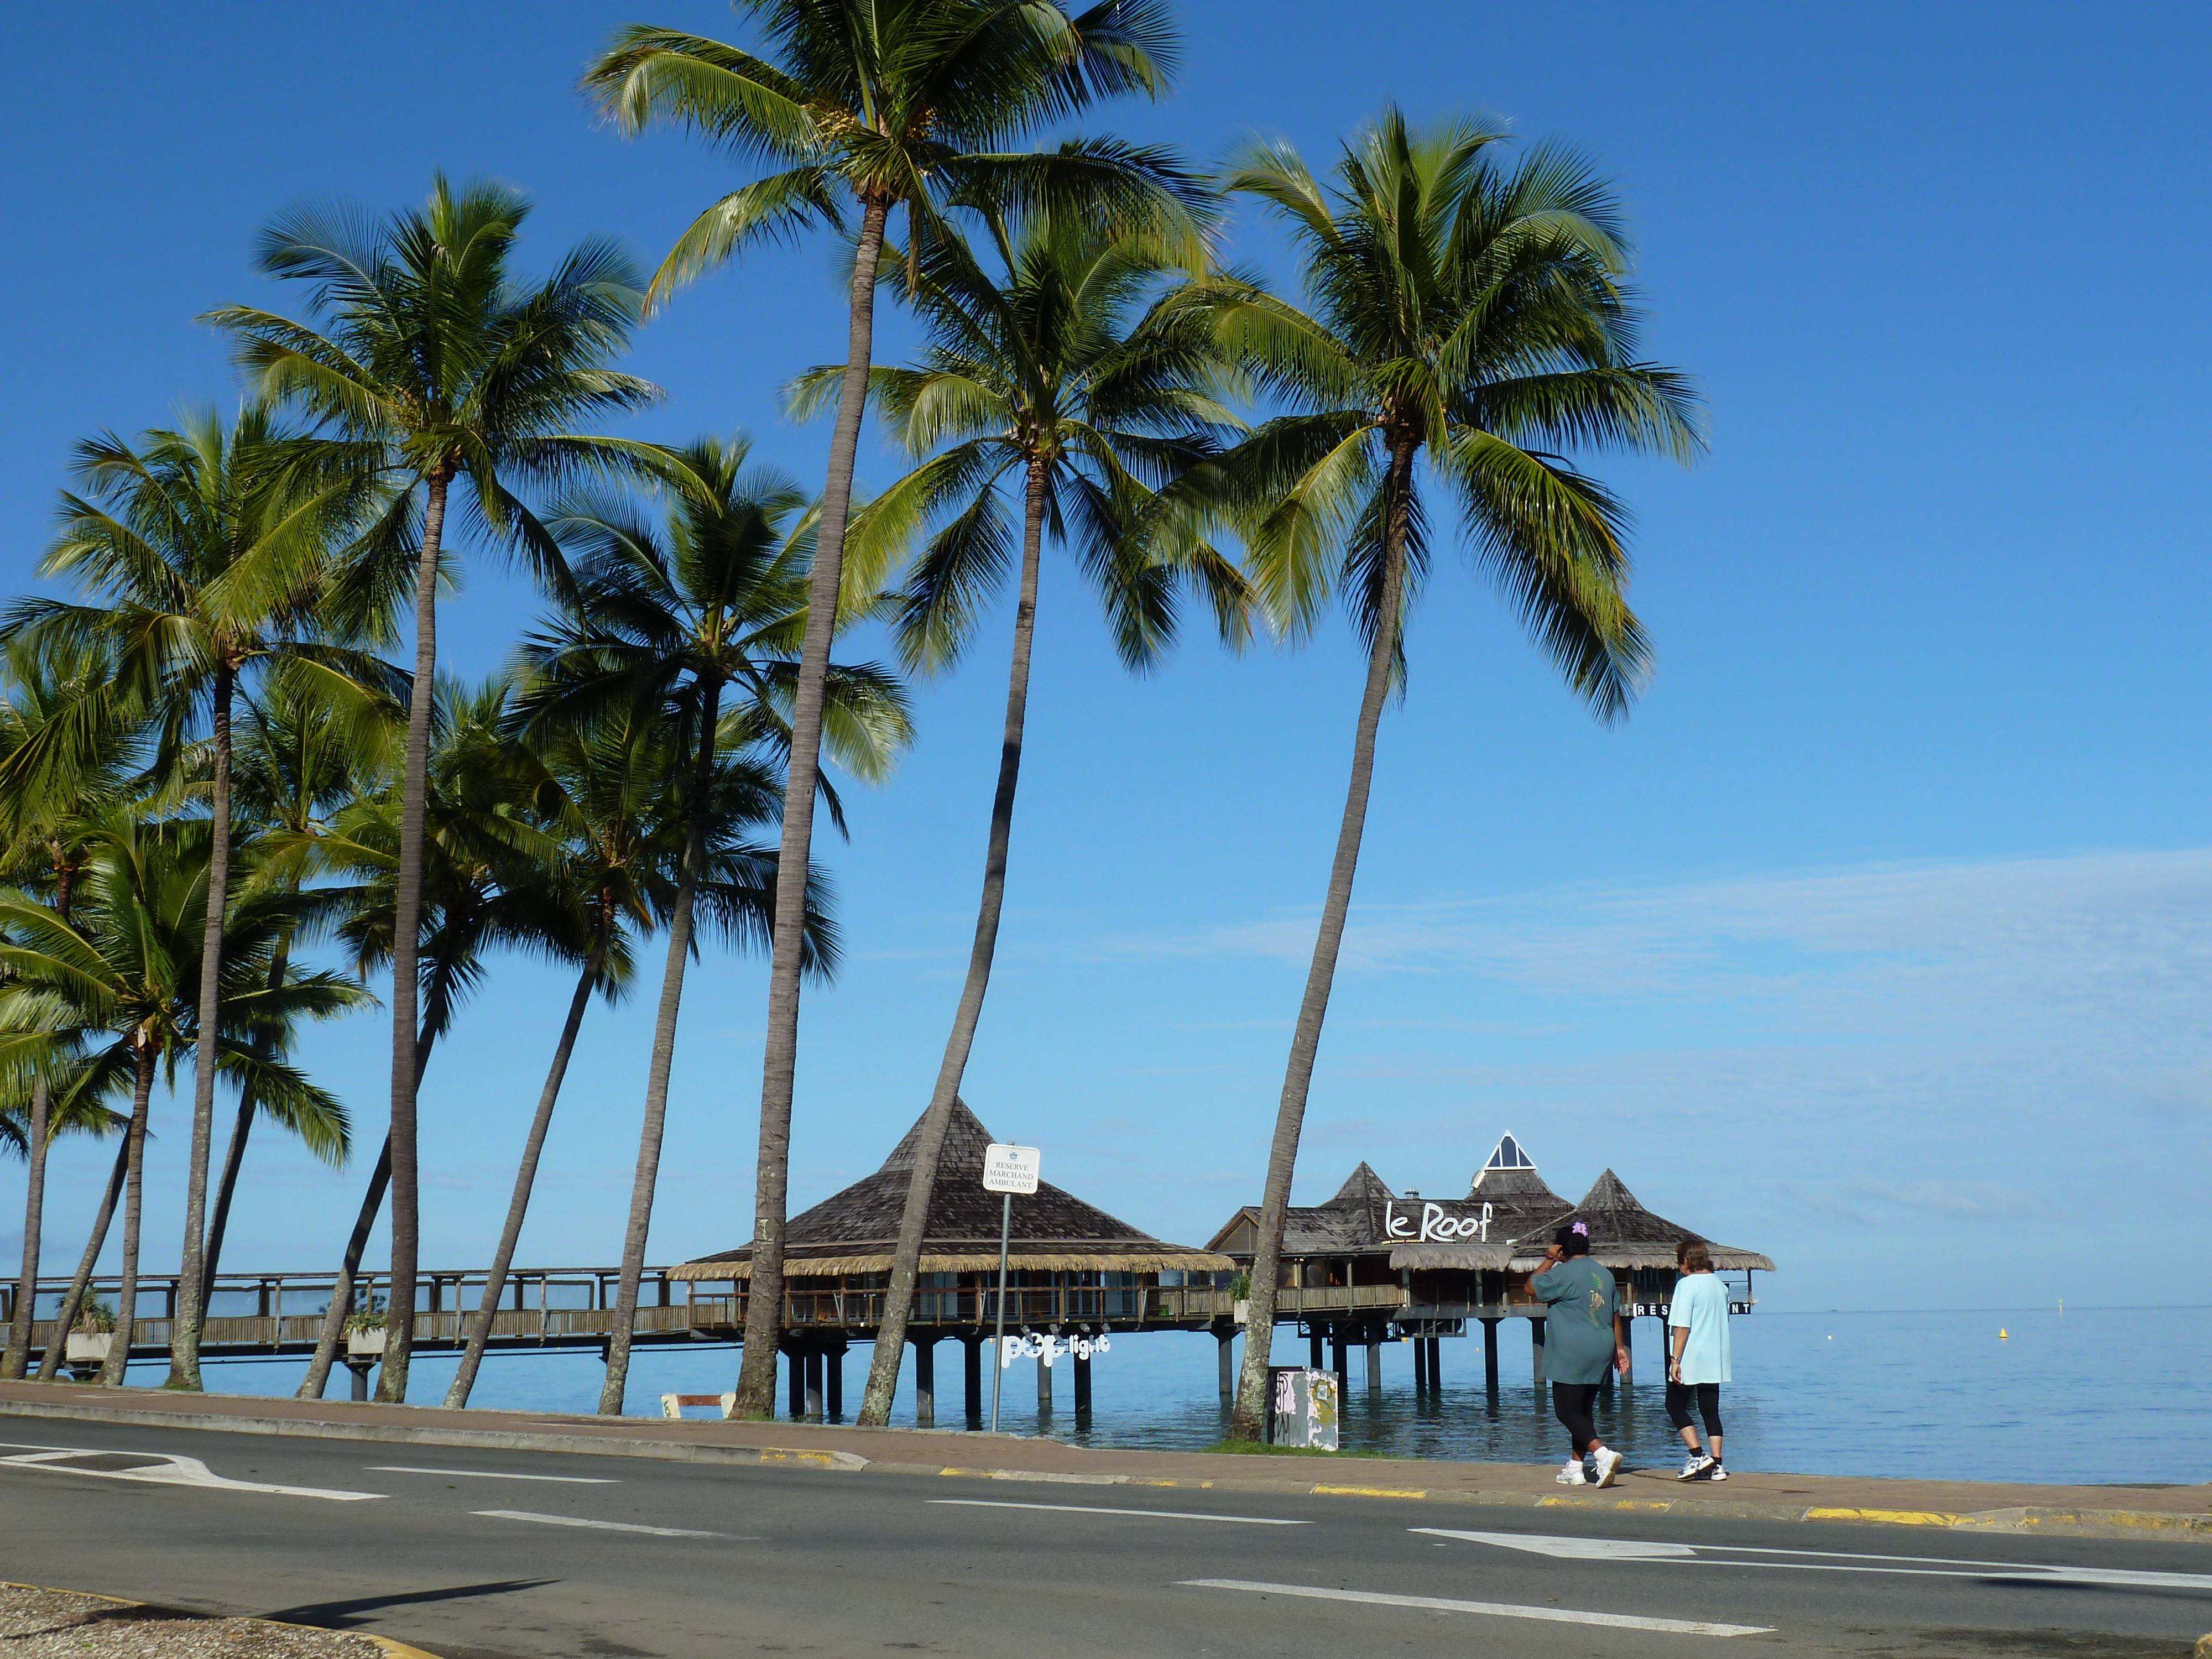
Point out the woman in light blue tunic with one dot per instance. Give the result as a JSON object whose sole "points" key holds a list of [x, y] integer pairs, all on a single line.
{"points": [[1698, 1363]]}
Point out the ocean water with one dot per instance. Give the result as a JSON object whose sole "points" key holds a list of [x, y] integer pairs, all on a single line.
{"points": [[2089, 1396]]}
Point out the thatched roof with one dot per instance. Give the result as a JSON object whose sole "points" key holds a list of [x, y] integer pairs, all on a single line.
{"points": [[855, 1231], [1624, 1234], [1352, 1220], [1522, 1207]]}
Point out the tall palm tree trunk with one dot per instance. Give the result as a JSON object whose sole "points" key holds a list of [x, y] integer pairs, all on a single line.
{"points": [[407, 903], [226, 1186], [663, 1056], [1248, 1420], [341, 1305], [73, 1303], [134, 1199], [334, 1316], [526, 1175], [780, 1064], [906, 1258], [191, 1282], [16, 1361], [233, 1157]]}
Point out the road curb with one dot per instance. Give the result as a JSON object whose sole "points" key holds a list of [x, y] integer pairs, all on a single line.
{"points": [[2068, 1522], [397, 1650], [2079, 1522]]}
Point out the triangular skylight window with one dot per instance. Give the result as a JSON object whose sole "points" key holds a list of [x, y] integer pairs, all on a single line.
{"points": [[1508, 1155]]}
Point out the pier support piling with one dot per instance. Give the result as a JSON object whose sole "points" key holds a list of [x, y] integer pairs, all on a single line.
{"points": [[1044, 1386], [1374, 1361], [1436, 1368], [924, 1380], [1319, 1362], [1225, 1368], [812, 1412], [1342, 1353], [971, 1366], [833, 1367], [360, 1368], [797, 1361], [1536, 1344], [1082, 1389], [1489, 1355]]}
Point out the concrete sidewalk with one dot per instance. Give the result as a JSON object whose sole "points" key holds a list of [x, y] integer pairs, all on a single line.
{"points": [[2180, 1513]]}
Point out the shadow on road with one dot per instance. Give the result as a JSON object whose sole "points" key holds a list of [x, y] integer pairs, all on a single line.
{"points": [[343, 1615]]}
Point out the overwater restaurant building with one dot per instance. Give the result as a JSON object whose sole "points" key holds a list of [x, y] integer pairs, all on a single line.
{"points": [[1370, 1264], [1073, 1270]]}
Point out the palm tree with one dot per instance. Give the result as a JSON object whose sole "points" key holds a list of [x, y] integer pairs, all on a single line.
{"points": [[67, 748], [1469, 323], [124, 975], [487, 884], [200, 549], [710, 602], [873, 105], [1060, 381], [47, 1091], [439, 364], [302, 754], [615, 792]]}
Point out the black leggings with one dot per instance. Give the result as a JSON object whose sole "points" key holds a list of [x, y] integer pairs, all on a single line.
{"points": [[1708, 1398], [1570, 1403]]}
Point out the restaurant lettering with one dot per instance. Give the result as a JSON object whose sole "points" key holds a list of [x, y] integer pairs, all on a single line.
{"points": [[1437, 1225], [1033, 1346]]}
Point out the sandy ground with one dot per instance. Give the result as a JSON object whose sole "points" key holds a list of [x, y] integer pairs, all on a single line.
{"points": [[44, 1624]]}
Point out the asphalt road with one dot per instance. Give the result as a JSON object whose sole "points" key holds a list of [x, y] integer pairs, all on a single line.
{"points": [[477, 1554]]}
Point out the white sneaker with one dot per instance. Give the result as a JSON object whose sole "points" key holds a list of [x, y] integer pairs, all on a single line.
{"points": [[1572, 1474], [1719, 1474], [1694, 1465], [1609, 1465]]}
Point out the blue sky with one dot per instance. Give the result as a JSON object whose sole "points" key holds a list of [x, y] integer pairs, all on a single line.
{"points": [[1876, 939]]}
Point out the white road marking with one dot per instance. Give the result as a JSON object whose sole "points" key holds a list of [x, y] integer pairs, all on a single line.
{"points": [[1495, 1609], [1096, 1508], [602, 1526], [1571, 1549], [171, 1470], [1910, 1567], [495, 1474]]}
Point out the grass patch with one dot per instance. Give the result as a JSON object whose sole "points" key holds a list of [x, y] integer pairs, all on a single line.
{"points": [[1257, 1448]]}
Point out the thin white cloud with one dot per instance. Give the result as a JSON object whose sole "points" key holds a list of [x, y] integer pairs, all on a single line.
{"points": [[1847, 1069]]}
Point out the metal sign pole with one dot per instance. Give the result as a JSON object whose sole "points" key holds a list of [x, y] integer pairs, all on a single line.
{"points": [[998, 1352]]}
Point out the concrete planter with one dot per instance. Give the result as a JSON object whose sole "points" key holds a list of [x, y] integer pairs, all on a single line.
{"points": [[365, 1345], [1243, 1312], [87, 1347]]}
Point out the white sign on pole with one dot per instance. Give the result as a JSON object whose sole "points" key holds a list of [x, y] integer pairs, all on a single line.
{"points": [[1010, 1169]]}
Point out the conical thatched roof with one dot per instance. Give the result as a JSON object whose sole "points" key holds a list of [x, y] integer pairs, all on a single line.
{"points": [[855, 1231], [1350, 1220], [1522, 1205], [1624, 1234]]}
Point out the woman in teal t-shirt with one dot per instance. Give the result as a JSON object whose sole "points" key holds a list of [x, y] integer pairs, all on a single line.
{"points": [[1582, 1337]]}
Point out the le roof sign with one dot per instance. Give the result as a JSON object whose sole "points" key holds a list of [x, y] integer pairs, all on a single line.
{"points": [[1010, 1169]]}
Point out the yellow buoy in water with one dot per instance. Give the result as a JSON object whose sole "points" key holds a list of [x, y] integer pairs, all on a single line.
{"points": [[2002, 1334]]}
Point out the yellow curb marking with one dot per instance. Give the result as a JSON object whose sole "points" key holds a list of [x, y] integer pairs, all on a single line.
{"points": [[820, 1459], [975, 1474], [1369, 1491], [1891, 1517]]}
